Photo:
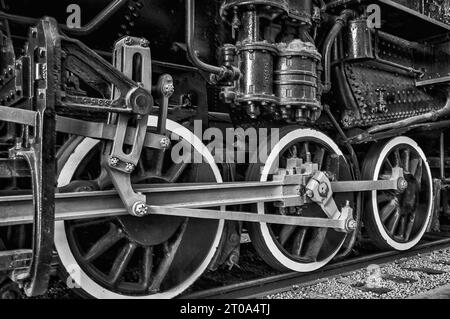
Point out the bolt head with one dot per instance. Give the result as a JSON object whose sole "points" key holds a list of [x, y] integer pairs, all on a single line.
{"points": [[114, 161], [129, 167], [402, 184], [128, 41], [309, 193], [140, 209], [165, 142], [351, 225], [323, 190], [144, 43], [168, 89]]}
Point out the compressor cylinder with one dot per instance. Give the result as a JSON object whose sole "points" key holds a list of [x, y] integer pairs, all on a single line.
{"points": [[296, 81]]}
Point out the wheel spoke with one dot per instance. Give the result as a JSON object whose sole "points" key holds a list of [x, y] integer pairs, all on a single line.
{"points": [[319, 155], [409, 226], [315, 244], [169, 255], [414, 165], [418, 173], [147, 267], [405, 160], [285, 233], [402, 228], [383, 197], [306, 147], [120, 263], [174, 172], [393, 222], [158, 162], [387, 210], [293, 151], [299, 240], [388, 163], [104, 243], [397, 158]]}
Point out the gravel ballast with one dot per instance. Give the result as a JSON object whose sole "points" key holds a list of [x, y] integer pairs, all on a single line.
{"points": [[398, 280]]}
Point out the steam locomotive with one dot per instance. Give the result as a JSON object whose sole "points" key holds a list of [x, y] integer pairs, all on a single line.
{"points": [[98, 97]]}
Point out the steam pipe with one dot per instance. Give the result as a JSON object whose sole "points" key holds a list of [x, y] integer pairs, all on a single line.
{"points": [[18, 19], [328, 45], [221, 72], [401, 42], [99, 19], [405, 43], [430, 116]]}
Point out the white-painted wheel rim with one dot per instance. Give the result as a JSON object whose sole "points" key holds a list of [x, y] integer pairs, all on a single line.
{"points": [[80, 278], [384, 152], [268, 167]]}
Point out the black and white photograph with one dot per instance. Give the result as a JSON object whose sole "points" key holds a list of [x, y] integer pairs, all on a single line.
{"points": [[226, 158]]}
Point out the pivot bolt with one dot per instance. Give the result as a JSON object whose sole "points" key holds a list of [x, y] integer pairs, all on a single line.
{"points": [[140, 209], [168, 89], [402, 184], [113, 161], [144, 43], [323, 190], [164, 142], [351, 224], [309, 193], [128, 41], [129, 167]]}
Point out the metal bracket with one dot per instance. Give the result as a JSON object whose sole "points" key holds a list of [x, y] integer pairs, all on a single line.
{"points": [[128, 96], [96, 130], [118, 164], [319, 191], [163, 90], [38, 149]]}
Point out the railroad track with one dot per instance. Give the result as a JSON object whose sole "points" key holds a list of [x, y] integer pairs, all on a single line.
{"points": [[282, 282]]}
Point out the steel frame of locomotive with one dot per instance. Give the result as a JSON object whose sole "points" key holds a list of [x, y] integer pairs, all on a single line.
{"points": [[41, 105]]}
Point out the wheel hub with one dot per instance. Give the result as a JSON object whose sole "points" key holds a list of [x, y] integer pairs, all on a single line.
{"points": [[402, 184], [410, 195]]}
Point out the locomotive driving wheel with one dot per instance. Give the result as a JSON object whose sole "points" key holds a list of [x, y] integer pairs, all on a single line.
{"points": [[131, 257], [393, 219], [297, 248]]}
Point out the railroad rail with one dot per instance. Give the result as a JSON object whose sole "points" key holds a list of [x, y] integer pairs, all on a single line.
{"points": [[259, 288]]}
